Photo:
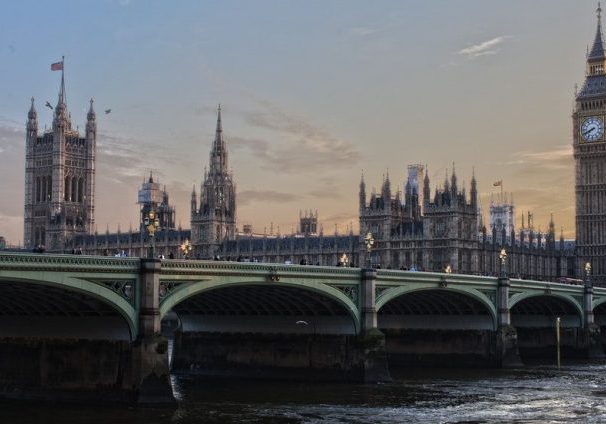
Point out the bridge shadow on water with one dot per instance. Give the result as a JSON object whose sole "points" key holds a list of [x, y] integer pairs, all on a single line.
{"points": [[537, 393]]}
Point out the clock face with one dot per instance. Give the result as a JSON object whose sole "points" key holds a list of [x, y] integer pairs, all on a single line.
{"points": [[592, 128]]}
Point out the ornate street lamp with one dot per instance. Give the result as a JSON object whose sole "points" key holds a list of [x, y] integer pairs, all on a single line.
{"points": [[369, 241], [186, 247], [588, 274], [503, 262], [151, 223], [448, 269], [344, 260]]}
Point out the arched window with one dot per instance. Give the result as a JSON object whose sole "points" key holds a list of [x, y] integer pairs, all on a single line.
{"points": [[74, 189], [44, 189], [66, 189], [80, 189], [38, 188]]}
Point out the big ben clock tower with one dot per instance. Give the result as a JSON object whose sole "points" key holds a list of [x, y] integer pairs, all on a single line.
{"points": [[590, 162]]}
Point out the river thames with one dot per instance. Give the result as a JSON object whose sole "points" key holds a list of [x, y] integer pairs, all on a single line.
{"points": [[537, 394]]}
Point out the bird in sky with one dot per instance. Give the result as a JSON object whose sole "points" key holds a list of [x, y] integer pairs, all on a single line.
{"points": [[107, 111], [48, 105]]}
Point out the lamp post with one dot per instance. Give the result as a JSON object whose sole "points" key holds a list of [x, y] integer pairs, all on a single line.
{"points": [[369, 241], [185, 248], [503, 263], [588, 274], [448, 269], [151, 223], [344, 260]]}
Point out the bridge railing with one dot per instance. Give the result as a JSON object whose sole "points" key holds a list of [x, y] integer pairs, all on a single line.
{"points": [[60, 262]]}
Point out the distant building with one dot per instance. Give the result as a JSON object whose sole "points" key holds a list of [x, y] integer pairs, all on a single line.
{"points": [[154, 198], [502, 214], [440, 231], [2, 243]]}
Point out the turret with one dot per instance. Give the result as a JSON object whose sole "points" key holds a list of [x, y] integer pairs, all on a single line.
{"points": [[474, 190], [426, 189], [386, 190], [91, 121], [194, 201], [32, 119], [453, 182], [362, 193]]}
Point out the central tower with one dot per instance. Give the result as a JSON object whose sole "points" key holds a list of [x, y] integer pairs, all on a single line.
{"points": [[590, 161], [59, 177], [214, 220]]}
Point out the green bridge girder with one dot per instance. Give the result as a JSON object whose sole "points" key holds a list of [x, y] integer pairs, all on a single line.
{"points": [[117, 282]]}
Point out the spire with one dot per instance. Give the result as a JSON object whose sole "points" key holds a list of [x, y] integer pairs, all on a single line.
{"points": [[151, 177], [362, 192], [91, 116], [426, 189], [597, 50], [91, 112], [62, 118], [474, 188], [219, 144], [32, 114], [62, 97], [218, 154], [32, 118]]}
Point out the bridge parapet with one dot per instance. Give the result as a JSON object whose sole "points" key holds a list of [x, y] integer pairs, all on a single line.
{"points": [[57, 262]]}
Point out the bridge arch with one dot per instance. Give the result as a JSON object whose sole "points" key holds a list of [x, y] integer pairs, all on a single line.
{"points": [[316, 294], [460, 293], [62, 297], [599, 310], [546, 305]]}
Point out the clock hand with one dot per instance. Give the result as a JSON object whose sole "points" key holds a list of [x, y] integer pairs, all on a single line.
{"points": [[589, 131]]}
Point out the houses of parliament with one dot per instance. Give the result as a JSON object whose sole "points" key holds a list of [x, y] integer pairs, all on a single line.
{"points": [[426, 226]]}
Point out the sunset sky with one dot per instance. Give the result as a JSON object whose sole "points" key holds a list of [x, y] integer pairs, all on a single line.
{"points": [[313, 92]]}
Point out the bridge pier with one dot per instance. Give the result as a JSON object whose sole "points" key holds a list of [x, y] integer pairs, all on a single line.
{"points": [[150, 350], [371, 339], [507, 354], [591, 334]]}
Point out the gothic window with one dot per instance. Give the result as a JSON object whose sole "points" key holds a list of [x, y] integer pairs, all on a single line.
{"points": [[49, 185], [80, 190], [74, 195], [38, 189], [66, 189]]}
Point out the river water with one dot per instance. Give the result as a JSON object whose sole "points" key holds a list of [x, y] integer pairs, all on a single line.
{"points": [[537, 394]]}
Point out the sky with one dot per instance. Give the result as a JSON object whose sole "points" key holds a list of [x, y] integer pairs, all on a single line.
{"points": [[312, 94]]}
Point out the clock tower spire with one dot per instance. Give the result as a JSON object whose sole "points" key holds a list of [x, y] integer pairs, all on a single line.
{"points": [[589, 145]]}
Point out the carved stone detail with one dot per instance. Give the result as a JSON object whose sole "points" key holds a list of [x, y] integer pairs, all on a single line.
{"points": [[349, 291]]}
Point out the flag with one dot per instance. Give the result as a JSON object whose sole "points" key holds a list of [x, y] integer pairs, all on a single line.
{"points": [[57, 66], [498, 183]]}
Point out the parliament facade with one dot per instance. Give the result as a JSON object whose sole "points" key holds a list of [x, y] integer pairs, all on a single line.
{"points": [[425, 226]]}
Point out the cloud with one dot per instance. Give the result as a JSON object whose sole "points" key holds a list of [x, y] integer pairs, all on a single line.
{"points": [[298, 147], [268, 196], [557, 158], [489, 47]]}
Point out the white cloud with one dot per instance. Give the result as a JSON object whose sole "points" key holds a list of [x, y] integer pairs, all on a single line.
{"points": [[485, 48]]}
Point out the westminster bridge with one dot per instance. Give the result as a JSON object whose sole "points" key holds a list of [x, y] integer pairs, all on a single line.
{"points": [[88, 327]]}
